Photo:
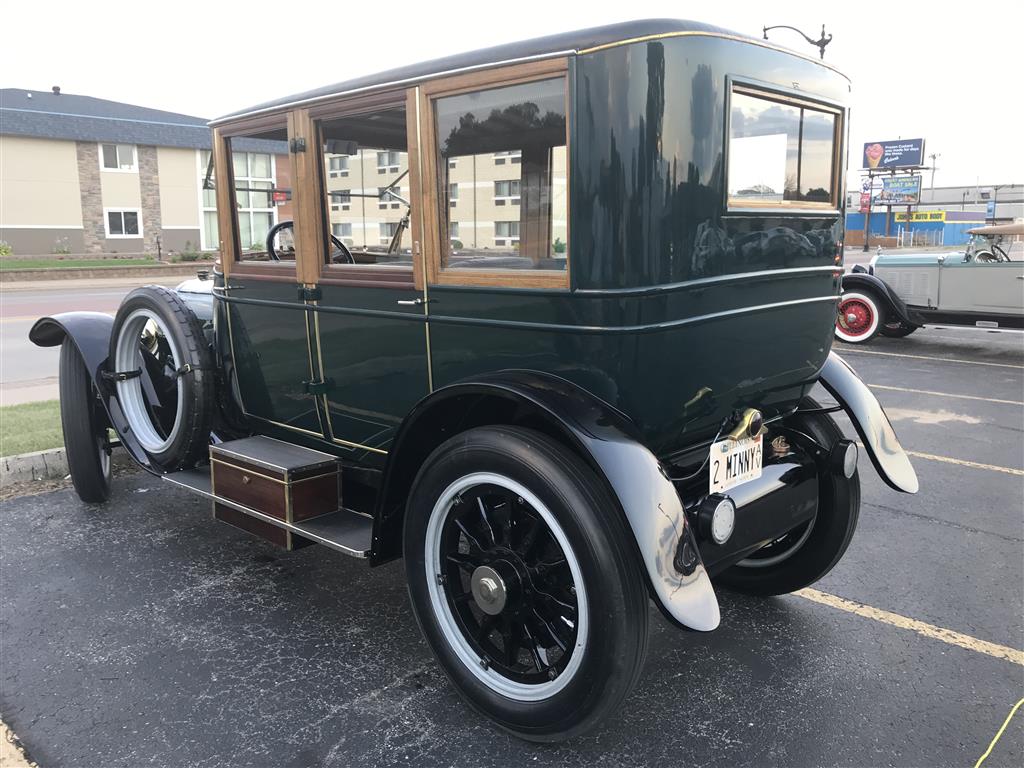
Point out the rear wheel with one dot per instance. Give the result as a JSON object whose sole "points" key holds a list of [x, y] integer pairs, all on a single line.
{"points": [[808, 552], [896, 330], [85, 428], [859, 317], [524, 580]]}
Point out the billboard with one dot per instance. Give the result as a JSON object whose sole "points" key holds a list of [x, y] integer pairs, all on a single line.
{"points": [[900, 190], [902, 153]]}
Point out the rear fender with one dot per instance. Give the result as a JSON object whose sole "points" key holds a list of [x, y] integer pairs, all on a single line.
{"points": [[605, 439], [90, 333], [871, 423]]}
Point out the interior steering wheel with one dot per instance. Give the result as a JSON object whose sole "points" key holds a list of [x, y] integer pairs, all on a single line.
{"points": [[991, 256], [339, 253]]}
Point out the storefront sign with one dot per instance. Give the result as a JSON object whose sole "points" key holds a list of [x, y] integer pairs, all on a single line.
{"points": [[900, 190], [902, 153], [923, 216]]}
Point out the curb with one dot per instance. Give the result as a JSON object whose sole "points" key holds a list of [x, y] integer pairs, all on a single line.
{"points": [[51, 464], [77, 273]]}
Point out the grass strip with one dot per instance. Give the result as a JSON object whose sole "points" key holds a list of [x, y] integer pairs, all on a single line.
{"points": [[30, 427]]}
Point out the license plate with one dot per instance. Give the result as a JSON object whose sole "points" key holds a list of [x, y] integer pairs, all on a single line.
{"points": [[733, 462]]}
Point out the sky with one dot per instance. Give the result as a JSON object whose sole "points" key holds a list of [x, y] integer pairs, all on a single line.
{"points": [[951, 74]]}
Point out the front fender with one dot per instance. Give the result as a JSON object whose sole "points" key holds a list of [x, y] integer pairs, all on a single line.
{"points": [[892, 303], [606, 440], [871, 423], [90, 333]]}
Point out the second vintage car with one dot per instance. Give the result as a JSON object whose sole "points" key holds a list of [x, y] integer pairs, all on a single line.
{"points": [[981, 286], [543, 321]]}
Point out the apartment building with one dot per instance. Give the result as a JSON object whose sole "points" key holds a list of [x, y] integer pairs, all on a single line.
{"points": [[86, 175]]}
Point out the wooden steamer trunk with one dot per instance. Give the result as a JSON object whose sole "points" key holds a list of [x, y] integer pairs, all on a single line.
{"points": [[275, 480]]}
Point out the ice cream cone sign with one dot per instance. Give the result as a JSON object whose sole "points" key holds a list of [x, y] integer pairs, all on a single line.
{"points": [[873, 155]]}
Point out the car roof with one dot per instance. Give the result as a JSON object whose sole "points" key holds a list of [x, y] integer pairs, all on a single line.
{"points": [[563, 44], [1017, 228]]}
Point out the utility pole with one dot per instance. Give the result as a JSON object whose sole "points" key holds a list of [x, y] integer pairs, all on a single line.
{"points": [[934, 156]]}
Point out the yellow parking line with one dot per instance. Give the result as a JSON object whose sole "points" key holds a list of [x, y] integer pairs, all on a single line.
{"points": [[965, 463], [844, 351], [924, 629], [947, 394], [999, 733]]}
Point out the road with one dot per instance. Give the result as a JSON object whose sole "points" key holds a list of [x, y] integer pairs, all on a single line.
{"points": [[145, 633], [28, 372]]}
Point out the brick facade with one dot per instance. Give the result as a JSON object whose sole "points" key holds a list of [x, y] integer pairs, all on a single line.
{"points": [[93, 232], [149, 188]]}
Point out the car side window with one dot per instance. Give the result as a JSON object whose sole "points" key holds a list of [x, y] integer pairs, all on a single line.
{"points": [[501, 179]]}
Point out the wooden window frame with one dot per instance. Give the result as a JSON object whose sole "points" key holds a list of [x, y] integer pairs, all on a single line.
{"points": [[801, 101], [227, 221], [366, 275], [434, 240]]}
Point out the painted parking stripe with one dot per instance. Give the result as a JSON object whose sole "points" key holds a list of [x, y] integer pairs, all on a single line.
{"points": [[922, 628], [999, 733], [947, 394], [845, 351], [965, 463]]}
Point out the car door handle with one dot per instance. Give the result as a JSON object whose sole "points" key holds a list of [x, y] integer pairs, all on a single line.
{"points": [[413, 302]]}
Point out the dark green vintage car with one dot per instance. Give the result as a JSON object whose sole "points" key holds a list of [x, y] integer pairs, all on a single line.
{"points": [[540, 319]]}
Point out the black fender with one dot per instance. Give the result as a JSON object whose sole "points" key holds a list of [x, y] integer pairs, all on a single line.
{"points": [[600, 434], [871, 423], [90, 333], [892, 304]]}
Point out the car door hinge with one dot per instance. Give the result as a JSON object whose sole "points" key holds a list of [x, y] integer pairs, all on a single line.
{"points": [[319, 387], [309, 293], [298, 144]]}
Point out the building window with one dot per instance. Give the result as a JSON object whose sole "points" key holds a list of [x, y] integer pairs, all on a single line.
{"points": [[387, 231], [387, 162], [511, 156], [506, 233], [506, 192], [385, 200], [341, 199], [209, 236], [453, 195], [338, 166], [253, 181], [453, 230], [123, 222], [118, 157], [342, 231]]}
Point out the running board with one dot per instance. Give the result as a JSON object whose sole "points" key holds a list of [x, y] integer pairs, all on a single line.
{"points": [[346, 531]]}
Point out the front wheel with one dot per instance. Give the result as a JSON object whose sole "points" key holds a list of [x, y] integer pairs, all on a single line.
{"points": [[524, 579], [859, 317], [84, 423]]}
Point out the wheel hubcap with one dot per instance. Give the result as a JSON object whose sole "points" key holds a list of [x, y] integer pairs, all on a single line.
{"points": [[855, 317], [488, 590]]}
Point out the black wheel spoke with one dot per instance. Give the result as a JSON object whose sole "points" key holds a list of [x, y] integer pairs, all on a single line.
{"points": [[510, 638], [537, 652], [486, 520], [474, 544], [485, 627], [533, 528], [550, 631], [465, 561]]}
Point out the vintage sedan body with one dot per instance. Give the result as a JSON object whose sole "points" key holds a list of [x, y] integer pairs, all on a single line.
{"points": [[541, 320], [981, 286]]}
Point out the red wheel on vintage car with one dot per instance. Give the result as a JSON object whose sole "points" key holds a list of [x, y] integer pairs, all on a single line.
{"points": [[858, 318]]}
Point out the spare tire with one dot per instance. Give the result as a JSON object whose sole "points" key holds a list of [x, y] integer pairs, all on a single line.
{"points": [[162, 368]]}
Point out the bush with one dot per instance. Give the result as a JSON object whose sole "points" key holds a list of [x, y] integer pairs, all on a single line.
{"points": [[558, 245], [5, 248], [457, 245], [61, 246]]}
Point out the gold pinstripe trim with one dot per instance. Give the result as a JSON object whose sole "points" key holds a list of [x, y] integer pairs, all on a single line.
{"points": [[720, 35]]}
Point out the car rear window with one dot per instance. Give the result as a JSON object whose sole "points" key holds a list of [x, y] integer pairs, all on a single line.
{"points": [[781, 151]]}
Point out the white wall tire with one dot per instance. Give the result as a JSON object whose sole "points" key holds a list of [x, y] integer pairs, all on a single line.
{"points": [[567, 690], [858, 318]]}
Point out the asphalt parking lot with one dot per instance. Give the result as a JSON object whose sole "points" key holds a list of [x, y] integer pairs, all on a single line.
{"points": [[145, 633]]}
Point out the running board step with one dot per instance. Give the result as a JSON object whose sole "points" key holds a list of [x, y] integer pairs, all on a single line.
{"points": [[345, 531]]}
